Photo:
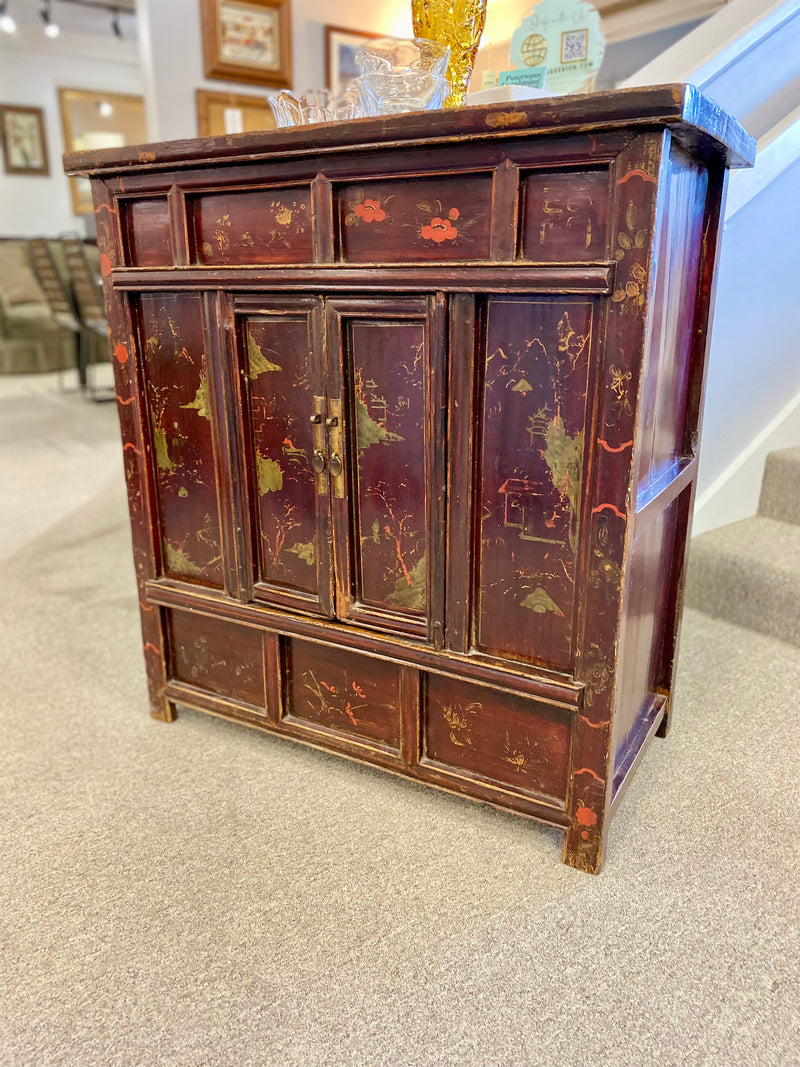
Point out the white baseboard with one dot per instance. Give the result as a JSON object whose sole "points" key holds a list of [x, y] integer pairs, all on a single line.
{"points": [[734, 494]]}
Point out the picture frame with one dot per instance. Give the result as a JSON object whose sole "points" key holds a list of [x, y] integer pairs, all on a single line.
{"points": [[340, 49], [23, 140], [93, 119], [214, 113], [248, 41]]}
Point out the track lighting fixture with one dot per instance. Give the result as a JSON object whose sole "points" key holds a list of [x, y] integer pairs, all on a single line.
{"points": [[51, 29], [7, 24], [115, 26]]}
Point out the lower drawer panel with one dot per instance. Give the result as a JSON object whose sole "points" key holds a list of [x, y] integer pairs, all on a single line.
{"points": [[520, 743], [217, 656], [353, 695]]}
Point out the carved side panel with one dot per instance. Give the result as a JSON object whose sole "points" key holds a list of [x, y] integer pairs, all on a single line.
{"points": [[521, 743], [257, 226], [353, 695], [564, 215], [279, 360], [414, 219], [176, 382], [147, 237], [533, 432], [218, 656]]}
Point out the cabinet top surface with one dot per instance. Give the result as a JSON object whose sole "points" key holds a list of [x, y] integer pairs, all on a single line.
{"points": [[697, 122]]}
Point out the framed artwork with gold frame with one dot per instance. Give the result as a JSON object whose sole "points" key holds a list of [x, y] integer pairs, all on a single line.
{"points": [[219, 113], [93, 119], [23, 140], [247, 41]]}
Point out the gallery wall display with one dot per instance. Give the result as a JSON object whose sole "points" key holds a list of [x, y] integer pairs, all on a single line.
{"points": [[221, 113], [23, 139], [340, 55], [94, 119], [247, 41]]}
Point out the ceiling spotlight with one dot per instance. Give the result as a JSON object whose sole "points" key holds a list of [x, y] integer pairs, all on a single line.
{"points": [[105, 109], [115, 26], [7, 24], [51, 29]]}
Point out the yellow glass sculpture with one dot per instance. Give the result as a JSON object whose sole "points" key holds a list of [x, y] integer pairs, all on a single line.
{"points": [[458, 24]]}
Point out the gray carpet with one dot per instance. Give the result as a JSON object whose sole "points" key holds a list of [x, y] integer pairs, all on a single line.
{"points": [[200, 894]]}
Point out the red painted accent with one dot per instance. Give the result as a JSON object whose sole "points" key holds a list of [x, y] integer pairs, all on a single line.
{"points": [[588, 770], [123, 402], [108, 208], [105, 265], [132, 446], [595, 725], [121, 353], [585, 816], [146, 607], [610, 507], [153, 647], [608, 448], [635, 174]]}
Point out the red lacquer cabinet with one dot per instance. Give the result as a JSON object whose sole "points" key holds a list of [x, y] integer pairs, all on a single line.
{"points": [[410, 414]]}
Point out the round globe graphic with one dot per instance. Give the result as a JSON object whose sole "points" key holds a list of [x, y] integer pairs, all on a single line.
{"points": [[534, 50]]}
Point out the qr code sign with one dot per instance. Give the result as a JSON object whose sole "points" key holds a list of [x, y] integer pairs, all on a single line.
{"points": [[574, 46]]}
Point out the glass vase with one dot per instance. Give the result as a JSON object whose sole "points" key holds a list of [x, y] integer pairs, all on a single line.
{"points": [[459, 25]]}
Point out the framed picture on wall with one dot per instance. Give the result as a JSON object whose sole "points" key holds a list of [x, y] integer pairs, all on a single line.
{"points": [[22, 136], [93, 120], [247, 41], [221, 113], [340, 55]]}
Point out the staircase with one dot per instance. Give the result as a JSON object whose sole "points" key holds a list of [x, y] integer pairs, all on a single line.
{"points": [[748, 572]]}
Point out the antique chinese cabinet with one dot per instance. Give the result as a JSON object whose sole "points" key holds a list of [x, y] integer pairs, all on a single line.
{"points": [[410, 413]]}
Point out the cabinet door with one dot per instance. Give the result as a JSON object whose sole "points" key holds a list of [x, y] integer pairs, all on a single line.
{"points": [[280, 361], [180, 427], [534, 380], [386, 359]]}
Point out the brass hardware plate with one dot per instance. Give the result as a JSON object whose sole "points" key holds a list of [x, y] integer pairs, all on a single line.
{"points": [[318, 460], [335, 441]]}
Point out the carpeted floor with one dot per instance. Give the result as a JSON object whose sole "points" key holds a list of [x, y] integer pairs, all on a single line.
{"points": [[201, 894]]}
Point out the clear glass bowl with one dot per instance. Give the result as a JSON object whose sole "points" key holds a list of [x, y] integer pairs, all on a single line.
{"points": [[314, 105], [393, 94], [395, 55]]}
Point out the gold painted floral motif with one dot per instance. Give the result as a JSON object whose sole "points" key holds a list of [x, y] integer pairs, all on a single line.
{"points": [[603, 569], [597, 674], [457, 719], [633, 292]]}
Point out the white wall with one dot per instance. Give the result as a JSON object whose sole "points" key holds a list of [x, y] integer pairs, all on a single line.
{"points": [[32, 68]]}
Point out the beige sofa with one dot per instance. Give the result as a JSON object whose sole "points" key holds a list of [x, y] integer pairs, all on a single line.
{"points": [[30, 339]]}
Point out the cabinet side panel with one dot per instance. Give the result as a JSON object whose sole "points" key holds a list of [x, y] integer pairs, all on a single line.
{"points": [[173, 346], [662, 410], [533, 439]]}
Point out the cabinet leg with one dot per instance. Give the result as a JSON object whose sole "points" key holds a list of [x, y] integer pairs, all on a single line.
{"points": [[164, 711], [666, 722], [584, 848]]}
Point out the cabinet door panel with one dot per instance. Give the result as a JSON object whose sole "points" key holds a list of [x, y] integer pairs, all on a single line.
{"points": [[533, 440], [280, 360], [383, 526], [179, 411]]}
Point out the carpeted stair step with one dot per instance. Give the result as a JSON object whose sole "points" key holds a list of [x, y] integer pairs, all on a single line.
{"points": [[749, 573], [780, 489]]}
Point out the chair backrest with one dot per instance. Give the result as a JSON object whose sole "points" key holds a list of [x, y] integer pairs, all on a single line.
{"points": [[55, 290], [85, 288]]}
